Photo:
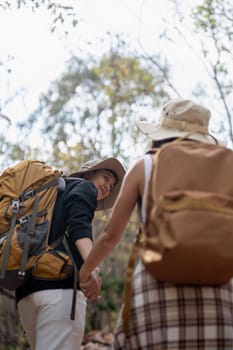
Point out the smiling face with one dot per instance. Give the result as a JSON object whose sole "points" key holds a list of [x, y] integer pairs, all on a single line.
{"points": [[104, 181]]}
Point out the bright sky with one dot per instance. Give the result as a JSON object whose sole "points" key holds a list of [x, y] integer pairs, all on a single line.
{"points": [[39, 55]]}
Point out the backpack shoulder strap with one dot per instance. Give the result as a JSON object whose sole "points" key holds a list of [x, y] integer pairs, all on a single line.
{"points": [[147, 173], [148, 162], [128, 289]]}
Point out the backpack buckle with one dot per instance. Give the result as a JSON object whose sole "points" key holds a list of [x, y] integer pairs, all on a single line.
{"points": [[15, 206], [27, 195], [21, 274], [23, 220], [2, 239]]}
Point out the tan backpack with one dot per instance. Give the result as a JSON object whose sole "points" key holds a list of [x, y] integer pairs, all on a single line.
{"points": [[28, 192], [188, 233]]}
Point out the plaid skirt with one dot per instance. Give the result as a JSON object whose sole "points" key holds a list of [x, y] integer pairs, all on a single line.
{"points": [[165, 316]]}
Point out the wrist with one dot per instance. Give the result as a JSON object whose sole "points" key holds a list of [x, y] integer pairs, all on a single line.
{"points": [[83, 278]]}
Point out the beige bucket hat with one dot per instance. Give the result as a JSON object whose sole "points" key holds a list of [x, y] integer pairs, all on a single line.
{"points": [[180, 118], [111, 164]]}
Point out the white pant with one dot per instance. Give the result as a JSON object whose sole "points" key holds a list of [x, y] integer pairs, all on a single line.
{"points": [[45, 316]]}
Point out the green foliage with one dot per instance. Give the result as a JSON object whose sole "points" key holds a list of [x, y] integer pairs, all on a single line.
{"points": [[214, 15], [60, 11], [206, 29], [214, 19], [105, 311], [12, 335], [15, 150], [95, 104]]}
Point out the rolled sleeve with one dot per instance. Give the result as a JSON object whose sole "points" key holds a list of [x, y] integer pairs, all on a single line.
{"points": [[79, 205]]}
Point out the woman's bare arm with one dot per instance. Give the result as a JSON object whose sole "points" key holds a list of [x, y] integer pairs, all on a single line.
{"points": [[122, 210]]}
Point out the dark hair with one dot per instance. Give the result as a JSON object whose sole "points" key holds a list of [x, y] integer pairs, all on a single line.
{"points": [[160, 143], [88, 174], [114, 174], [111, 171]]}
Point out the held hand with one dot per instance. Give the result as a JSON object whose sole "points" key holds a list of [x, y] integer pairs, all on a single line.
{"points": [[92, 286]]}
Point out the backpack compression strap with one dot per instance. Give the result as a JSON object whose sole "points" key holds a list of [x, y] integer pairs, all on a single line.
{"points": [[128, 280], [73, 306], [15, 209], [32, 223], [29, 234]]}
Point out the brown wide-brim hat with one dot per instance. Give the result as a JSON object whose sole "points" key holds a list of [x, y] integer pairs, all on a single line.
{"points": [[111, 164]]}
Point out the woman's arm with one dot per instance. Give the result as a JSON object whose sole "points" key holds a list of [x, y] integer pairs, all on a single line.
{"points": [[125, 203]]}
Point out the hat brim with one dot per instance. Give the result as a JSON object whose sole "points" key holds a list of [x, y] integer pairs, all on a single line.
{"points": [[117, 168], [158, 132]]}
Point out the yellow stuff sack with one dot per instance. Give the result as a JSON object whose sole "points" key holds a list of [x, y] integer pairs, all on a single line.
{"points": [[28, 192]]}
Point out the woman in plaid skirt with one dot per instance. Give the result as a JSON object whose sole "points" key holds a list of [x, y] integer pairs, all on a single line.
{"points": [[164, 316]]}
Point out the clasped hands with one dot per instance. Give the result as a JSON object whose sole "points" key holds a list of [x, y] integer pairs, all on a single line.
{"points": [[91, 288]]}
